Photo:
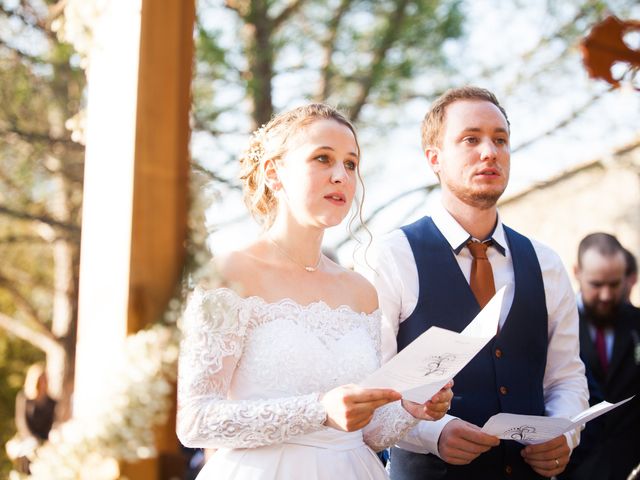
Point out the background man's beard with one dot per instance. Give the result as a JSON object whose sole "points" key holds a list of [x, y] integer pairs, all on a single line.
{"points": [[600, 320], [481, 200]]}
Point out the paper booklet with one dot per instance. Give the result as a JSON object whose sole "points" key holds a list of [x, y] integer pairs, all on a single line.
{"points": [[435, 357], [530, 429]]}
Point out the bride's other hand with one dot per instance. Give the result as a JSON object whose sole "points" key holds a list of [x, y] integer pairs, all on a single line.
{"points": [[433, 409], [351, 407]]}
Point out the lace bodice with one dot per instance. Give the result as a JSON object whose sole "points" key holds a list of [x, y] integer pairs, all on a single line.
{"points": [[251, 372]]}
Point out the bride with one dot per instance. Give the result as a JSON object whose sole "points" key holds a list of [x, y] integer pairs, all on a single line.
{"points": [[269, 364]]}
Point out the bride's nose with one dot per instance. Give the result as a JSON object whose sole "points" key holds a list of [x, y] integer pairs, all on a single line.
{"points": [[338, 173]]}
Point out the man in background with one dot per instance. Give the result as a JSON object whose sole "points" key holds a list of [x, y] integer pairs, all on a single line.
{"points": [[610, 348]]}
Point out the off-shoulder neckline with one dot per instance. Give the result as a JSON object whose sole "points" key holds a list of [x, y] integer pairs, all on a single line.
{"points": [[288, 301]]}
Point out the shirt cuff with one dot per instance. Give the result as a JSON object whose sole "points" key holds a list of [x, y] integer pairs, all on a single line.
{"points": [[423, 438], [573, 438]]}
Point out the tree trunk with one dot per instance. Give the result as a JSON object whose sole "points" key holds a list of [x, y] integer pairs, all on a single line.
{"points": [[60, 363], [64, 207], [258, 31]]}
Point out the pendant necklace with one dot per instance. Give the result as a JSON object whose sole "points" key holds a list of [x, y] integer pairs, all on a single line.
{"points": [[308, 268]]}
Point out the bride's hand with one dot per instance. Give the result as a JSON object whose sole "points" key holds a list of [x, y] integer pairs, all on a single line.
{"points": [[351, 407], [433, 409]]}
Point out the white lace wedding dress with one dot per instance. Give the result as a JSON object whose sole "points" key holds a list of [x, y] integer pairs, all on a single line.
{"points": [[250, 376]]}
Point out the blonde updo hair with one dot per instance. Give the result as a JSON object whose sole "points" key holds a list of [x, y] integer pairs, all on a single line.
{"points": [[269, 142]]}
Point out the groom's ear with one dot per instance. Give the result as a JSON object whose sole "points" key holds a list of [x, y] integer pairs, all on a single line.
{"points": [[432, 153]]}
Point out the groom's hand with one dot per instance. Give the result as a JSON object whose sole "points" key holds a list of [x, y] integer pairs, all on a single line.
{"points": [[434, 408], [351, 407], [549, 458], [461, 442]]}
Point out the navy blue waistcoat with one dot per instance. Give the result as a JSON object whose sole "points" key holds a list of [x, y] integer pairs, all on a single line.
{"points": [[506, 376]]}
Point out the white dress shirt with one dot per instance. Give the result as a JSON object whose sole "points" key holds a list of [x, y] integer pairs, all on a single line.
{"points": [[391, 267]]}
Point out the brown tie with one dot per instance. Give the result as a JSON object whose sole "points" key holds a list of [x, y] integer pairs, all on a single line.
{"points": [[481, 280]]}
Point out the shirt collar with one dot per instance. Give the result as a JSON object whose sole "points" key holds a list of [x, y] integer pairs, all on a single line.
{"points": [[457, 237]]}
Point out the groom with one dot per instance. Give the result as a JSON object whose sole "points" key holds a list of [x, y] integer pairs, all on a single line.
{"points": [[442, 269]]}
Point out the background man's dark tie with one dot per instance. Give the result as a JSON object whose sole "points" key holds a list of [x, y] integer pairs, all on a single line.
{"points": [[601, 349]]}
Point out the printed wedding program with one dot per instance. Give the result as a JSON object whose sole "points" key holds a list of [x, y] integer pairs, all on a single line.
{"points": [[436, 356], [530, 429]]}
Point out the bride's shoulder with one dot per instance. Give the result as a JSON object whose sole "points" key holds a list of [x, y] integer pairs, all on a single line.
{"points": [[219, 283], [232, 269], [218, 296]]}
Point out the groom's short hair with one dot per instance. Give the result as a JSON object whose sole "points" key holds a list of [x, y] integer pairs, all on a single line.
{"points": [[433, 123]]}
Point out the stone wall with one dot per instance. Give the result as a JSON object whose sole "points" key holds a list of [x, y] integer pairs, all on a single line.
{"points": [[602, 195]]}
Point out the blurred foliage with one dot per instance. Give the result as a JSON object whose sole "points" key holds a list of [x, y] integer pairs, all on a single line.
{"points": [[41, 170], [380, 61], [351, 53]]}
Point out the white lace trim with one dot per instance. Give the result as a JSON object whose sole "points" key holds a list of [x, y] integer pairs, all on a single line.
{"points": [[389, 424]]}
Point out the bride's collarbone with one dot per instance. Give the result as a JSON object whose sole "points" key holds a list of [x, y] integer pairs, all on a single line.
{"points": [[275, 281], [302, 289]]}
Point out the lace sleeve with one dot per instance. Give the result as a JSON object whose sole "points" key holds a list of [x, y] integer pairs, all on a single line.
{"points": [[214, 327], [389, 424]]}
